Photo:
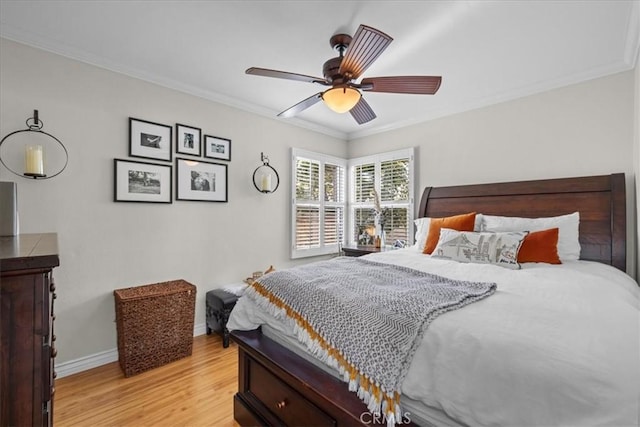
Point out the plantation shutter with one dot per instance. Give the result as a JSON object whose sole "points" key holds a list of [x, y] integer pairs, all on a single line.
{"points": [[364, 182], [394, 180], [307, 180], [307, 227], [334, 197], [307, 213], [394, 188], [396, 225], [319, 204], [391, 176]]}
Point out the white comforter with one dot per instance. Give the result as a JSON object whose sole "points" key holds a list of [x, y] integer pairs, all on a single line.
{"points": [[555, 345]]}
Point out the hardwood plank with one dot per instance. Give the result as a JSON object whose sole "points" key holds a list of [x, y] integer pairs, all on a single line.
{"points": [[194, 391]]}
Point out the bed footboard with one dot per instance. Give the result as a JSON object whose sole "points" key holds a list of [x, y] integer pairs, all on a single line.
{"points": [[277, 387]]}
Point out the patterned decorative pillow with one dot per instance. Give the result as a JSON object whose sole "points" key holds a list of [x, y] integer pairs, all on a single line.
{"points": [[480, 248]]}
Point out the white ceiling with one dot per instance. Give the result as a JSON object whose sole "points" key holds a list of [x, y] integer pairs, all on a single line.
{"points": [[486, 51]]}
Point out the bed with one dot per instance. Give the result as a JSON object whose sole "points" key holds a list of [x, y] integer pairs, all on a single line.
{"points": [[281, 384]]}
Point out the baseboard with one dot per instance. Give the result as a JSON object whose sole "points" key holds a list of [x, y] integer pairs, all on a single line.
{"points": [[102, 358]]}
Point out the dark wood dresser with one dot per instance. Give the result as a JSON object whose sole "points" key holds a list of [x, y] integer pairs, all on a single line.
{"points": [[27, 294]]}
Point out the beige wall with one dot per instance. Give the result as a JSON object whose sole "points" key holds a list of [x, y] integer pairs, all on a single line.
{"points": [[106, 245], [583, 129]]}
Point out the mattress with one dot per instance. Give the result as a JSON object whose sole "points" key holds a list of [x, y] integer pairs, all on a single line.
{"points": [[555, 345]]}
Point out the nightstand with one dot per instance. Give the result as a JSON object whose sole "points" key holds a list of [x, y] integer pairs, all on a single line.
{"points": [[362, 250]]}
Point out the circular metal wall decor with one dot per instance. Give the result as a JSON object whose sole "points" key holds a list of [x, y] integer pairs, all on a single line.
{"points": [[264, 176], [38, 149]]}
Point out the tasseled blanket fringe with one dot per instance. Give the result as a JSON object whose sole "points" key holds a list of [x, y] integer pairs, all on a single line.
{"points": [[376, 398]]}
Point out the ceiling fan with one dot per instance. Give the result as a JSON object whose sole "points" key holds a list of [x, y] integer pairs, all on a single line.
{"points": [[341, 72]]}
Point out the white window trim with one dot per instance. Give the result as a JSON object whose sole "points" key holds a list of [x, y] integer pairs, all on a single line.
{"points": [[377, 159], [322, 158]]}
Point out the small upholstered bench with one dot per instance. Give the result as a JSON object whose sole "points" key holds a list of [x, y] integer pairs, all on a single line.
{"points": [[220, 302]]}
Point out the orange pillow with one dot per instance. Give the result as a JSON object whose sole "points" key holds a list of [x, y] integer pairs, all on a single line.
{"points": [[540, 246], [463, 222]]}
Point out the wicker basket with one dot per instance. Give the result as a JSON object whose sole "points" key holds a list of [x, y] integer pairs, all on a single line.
{"points": [[154, 324]]}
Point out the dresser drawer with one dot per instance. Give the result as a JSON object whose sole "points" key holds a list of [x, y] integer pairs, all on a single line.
{"points": [[283, 401]]}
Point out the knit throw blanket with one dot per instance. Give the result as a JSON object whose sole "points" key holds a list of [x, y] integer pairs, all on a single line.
{"points": [[363, 318]]}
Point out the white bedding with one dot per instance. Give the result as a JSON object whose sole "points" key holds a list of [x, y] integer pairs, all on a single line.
{"points": [[555, 345]]}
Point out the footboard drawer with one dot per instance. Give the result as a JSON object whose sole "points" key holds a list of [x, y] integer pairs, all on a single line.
{"points": [[283, 401], [276, 387]]}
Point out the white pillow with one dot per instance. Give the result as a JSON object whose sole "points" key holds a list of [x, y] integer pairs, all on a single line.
{"points": [[568, 234], [422, 230], [480, 247]]}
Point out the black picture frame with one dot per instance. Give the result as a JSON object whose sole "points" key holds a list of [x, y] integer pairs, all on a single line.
{"points": [[142, 182], [150, 140], [188, 140], [201, 181], [217, 148]]}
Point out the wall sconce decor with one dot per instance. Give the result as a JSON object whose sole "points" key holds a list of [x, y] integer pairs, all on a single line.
{"points": [[265, 177], [31, 147]]}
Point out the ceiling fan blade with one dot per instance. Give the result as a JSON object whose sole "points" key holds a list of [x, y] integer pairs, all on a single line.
{"points": [[421, 85], [285, 75], [367, 44], [362, 112], [301, 106]]}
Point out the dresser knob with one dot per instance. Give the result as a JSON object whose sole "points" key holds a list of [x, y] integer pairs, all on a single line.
{"points": [[55, 375], [54, 296], [54, 352], [281, 404], [53, 338], [52, 287], [53, 391]]}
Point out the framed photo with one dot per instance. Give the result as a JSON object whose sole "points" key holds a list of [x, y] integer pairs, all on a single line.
{"points": [[217, 148], [142, 182], [149, 140], [202, 181], [187, 140]]}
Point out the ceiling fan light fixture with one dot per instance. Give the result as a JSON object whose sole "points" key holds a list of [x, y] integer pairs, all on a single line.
{"points": [[341, 99]]}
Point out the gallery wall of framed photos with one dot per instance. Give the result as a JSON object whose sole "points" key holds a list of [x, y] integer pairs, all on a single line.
{"points": [[153, 182]]}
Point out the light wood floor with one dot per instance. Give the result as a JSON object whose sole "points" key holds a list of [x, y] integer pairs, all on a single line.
{"points": [[193, 391]]}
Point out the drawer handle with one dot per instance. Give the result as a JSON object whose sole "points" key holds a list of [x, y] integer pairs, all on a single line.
{"points": [[54, 352], [52, 287], [54, 295], [281, 404]]}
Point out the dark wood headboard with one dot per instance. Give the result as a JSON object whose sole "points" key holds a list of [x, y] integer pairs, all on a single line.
{"points": [[599, 199]]}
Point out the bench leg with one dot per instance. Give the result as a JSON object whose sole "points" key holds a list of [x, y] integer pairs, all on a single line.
{"points": [[225, 338], [225, 331]]}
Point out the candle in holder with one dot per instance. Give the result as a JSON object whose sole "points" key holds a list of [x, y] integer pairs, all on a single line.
{"points": [[266, 182], [34, 160]]}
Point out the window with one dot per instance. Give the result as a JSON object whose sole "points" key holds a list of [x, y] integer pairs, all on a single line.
{"points": [[318, 203], [319, 211], [390, 175]]}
